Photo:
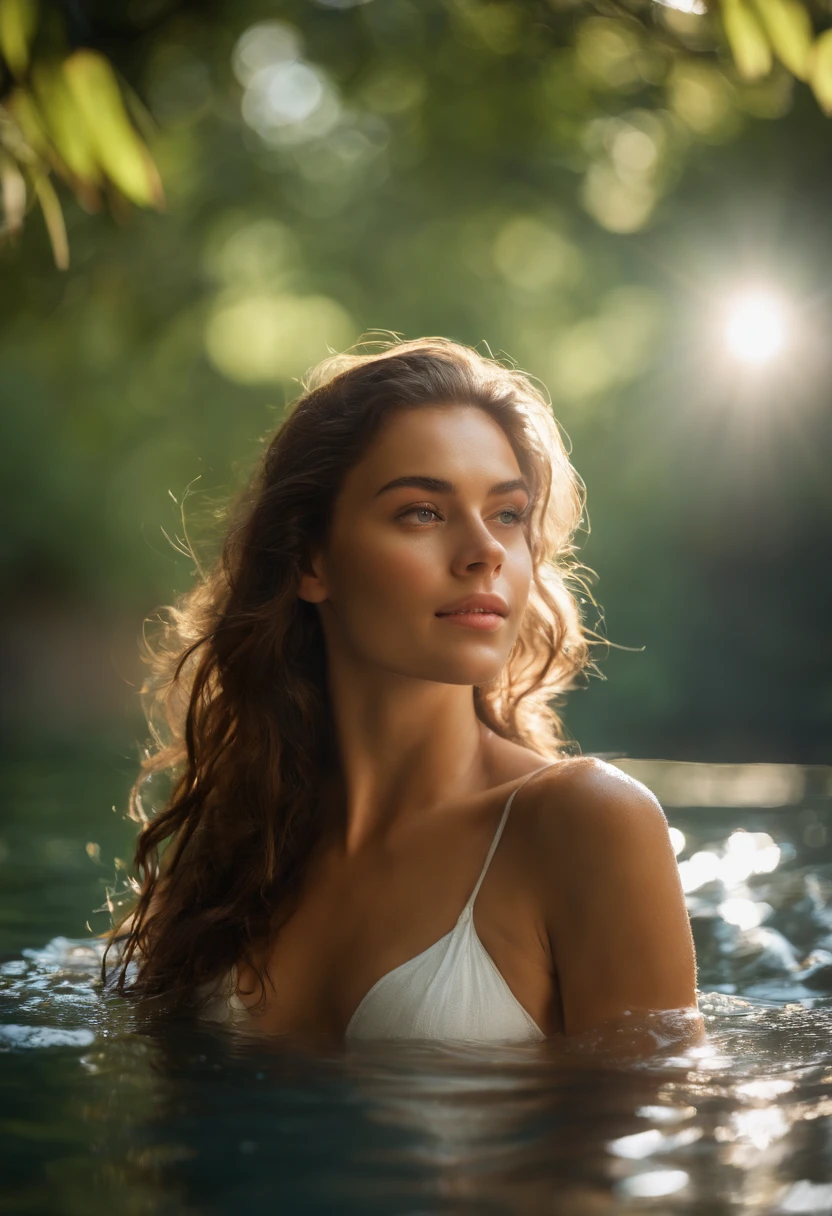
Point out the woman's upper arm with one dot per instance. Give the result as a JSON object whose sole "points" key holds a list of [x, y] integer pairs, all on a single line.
{"points": [[614, 905]]}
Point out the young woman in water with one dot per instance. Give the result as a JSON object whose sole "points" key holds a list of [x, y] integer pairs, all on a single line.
{"points": [[355, 696]]}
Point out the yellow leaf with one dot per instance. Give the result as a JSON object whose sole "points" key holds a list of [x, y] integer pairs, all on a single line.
{"points": [[820, 70], [18, 19], [65, 125], [54, 219], [118, 147], [747, 40], [789, 28]]}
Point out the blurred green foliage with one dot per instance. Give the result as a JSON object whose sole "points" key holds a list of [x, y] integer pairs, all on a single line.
{"points": [[576, 186], [63, 112]]}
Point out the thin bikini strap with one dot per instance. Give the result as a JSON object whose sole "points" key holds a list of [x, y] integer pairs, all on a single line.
{"points": [[498, 834]]}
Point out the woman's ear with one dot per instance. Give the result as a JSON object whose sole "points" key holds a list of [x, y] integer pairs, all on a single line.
{"points": [[312, 584]]}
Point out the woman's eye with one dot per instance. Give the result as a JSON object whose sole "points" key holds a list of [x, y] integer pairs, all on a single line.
{"points": [[418, 511], [514, 516]]}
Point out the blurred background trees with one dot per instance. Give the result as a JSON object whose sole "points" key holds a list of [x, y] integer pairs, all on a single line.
{"points": [[628, 200]]}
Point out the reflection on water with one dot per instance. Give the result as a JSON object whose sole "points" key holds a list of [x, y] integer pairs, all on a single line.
{"points": [[103, 1110]]}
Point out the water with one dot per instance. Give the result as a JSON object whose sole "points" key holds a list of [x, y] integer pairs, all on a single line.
{"points": [[101, 1111]]}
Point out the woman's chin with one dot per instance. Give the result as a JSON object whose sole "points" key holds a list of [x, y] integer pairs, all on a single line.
{"points": [[470, 672]]}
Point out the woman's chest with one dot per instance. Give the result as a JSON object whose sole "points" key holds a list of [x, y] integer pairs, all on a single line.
{"points": [[354, 926]]}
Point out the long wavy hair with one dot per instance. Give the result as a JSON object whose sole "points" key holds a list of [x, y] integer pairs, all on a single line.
{"points": [[236, 696]]}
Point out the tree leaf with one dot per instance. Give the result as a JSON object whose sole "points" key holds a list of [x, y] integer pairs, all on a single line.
{"points": [[790, 30], [820, 70], [65, 124], [118, 147], [18, 19], [54, 219], [747, 40], [24, 113], [13, 189]]}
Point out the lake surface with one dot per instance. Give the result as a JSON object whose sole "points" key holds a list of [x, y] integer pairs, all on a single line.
{"points": [[102, 1112]]}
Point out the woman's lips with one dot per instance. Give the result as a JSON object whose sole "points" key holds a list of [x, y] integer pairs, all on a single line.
{"points": [[473, 620]]}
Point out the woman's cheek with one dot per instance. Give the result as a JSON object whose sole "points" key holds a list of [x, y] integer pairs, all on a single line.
{"points": [[405, 574], [418, 564]]}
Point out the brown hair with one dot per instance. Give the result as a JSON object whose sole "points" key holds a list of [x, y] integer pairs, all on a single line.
{"points": [[236, 699]]}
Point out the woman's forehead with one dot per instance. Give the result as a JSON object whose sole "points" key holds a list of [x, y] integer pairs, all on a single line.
{"points": [[454, 443]]}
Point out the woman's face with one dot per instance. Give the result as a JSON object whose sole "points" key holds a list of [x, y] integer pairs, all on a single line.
{"points": [[399, 554]]}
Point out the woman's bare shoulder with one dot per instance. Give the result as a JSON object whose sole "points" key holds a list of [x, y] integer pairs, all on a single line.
{"points": [[611, 897], [586, 799]]}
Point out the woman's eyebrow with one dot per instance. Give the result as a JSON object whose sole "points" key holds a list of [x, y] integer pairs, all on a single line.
{"points": [[439, 486]]}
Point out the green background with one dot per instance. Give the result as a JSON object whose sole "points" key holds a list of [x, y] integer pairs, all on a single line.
{"points": [[576, 188]]}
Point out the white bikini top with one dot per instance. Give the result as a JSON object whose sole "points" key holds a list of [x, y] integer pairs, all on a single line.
{"points": [[452, 990]]}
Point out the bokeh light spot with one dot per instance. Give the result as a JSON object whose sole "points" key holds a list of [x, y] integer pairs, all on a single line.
{"points": [[268, 338]]}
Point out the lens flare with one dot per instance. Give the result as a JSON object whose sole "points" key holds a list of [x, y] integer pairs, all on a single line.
{"points": [[755, 327]]}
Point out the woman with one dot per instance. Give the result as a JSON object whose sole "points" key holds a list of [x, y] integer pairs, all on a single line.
{"points": [[355, 697]]}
